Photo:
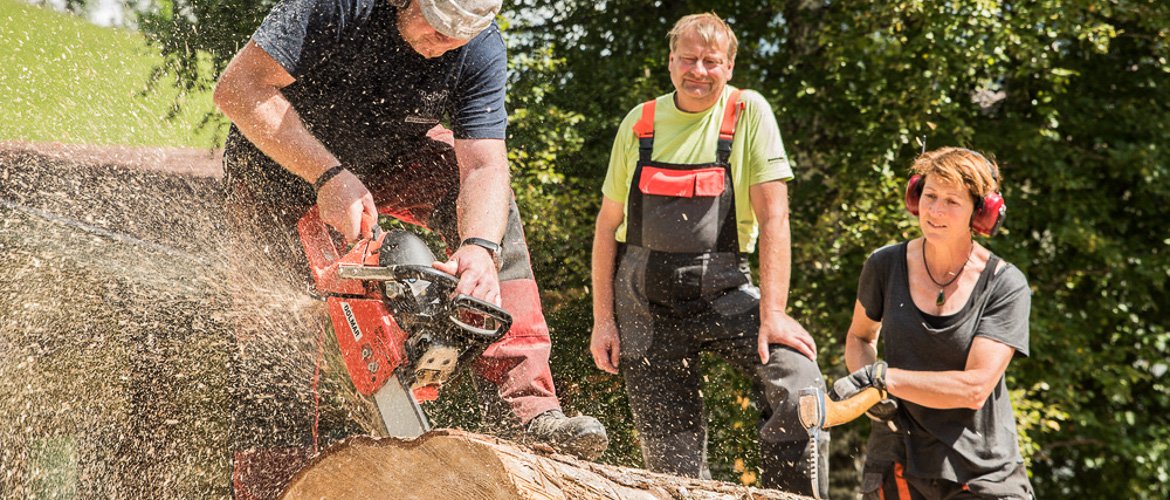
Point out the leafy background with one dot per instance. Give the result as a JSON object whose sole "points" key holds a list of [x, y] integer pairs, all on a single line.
{"points": [[1071, 96]]}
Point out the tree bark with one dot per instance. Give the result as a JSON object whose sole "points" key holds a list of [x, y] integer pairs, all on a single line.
{"points": [[462, 465]]}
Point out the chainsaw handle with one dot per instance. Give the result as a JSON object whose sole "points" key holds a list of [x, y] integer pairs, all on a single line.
{"points": [[483, 308], [461, 302]]}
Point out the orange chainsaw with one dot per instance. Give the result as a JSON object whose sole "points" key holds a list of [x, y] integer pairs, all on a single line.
{"points": [[402, 330]]}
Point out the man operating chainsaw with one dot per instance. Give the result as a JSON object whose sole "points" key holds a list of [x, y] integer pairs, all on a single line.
{"points": [[341, 103]]}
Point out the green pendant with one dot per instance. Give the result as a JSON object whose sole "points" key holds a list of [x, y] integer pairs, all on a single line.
{"points": [[942, 297]]}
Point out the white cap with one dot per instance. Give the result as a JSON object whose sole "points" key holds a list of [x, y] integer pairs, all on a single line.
{"points": [[462, 19]]}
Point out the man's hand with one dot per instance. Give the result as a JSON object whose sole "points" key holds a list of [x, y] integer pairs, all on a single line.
{"points": [[605, 346], [342, 202], [780, 328], [476, 270]]}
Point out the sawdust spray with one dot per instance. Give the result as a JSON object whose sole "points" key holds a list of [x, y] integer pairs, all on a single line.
{"points": [[138, 351]]}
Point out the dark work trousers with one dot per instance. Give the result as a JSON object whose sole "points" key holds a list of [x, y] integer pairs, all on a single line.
{"points": [[660, 346], [884, 476], [892, 483], [284, 405]]}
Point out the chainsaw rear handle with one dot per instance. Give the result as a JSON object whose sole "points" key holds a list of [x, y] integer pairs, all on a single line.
{"points": [[461, 303], [483, 308]]}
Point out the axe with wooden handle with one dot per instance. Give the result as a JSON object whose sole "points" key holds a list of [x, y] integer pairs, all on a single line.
{"points": [[818, 412]]}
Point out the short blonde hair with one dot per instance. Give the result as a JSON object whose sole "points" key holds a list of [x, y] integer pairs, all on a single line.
{"points": [[960, 166], [709, 27]]}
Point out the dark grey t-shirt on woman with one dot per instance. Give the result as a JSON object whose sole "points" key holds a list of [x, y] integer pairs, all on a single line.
{"points": [[959, 444]]}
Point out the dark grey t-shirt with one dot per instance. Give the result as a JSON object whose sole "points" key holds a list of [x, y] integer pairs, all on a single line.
{"points": [[366, 94], [957, 444]]}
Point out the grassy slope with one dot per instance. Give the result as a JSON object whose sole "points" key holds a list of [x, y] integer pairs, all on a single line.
{"points": [[65, 80]]}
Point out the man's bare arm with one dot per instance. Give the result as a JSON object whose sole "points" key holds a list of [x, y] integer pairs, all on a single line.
{"points": [[770, 204], [484, 190], [249, 94], [482, 211], [604, 344]]}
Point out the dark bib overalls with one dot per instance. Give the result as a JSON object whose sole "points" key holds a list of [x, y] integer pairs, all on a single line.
{"points": [[682, 288]]}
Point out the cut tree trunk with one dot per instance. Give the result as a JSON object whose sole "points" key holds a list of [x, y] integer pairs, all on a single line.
{"points": [[461, 465]]}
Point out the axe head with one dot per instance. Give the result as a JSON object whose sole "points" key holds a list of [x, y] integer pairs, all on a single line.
{"points": [[812, 409]]}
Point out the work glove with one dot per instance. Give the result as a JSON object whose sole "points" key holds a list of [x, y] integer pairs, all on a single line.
{"points": [[868, 376]]}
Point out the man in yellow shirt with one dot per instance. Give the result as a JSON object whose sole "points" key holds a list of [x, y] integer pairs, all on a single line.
{"points": [[693, 177]]}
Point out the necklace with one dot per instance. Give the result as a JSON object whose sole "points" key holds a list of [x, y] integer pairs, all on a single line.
{"points": [[942, 296]]}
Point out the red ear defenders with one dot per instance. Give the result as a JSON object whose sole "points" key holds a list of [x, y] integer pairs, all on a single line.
{"points": [[990, 211]]}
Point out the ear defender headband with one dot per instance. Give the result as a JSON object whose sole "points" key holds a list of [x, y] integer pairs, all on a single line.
{"points": [[990, 211]]}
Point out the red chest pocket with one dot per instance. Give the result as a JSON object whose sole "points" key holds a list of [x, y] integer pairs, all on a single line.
{"points": [[682, 183]]}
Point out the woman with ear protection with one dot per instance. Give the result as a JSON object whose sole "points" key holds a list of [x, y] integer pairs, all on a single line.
{"points": [[952, 315]]}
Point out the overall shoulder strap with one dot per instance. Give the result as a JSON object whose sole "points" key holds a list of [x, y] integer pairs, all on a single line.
{"points": [[728, 240], [727, 129], [644, 129]]}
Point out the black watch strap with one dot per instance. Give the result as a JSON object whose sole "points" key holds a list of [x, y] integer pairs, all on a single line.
{"points": [[489, 245]]}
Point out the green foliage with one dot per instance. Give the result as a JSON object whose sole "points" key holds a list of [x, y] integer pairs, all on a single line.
{"points": [[65, 80], [198, 38], [1071, 96], [541, 136]]}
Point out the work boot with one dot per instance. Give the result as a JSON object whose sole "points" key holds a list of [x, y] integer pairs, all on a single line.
{"points": [[582, 436]]}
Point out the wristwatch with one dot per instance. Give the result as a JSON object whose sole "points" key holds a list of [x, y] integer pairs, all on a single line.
{"points": [[492, 247]]}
